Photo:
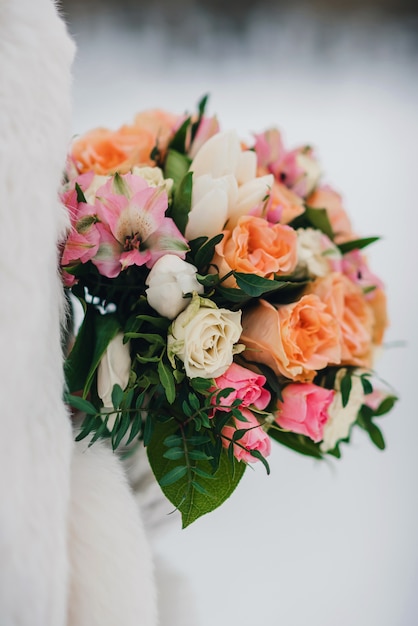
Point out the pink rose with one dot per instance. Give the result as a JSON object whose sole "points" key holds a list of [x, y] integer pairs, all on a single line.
{"points": [[248, 387], [304, 409], [255, 438]]}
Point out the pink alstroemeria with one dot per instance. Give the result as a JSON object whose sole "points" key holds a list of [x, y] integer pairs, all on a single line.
{"points": [[297, 169], [83, 240], [133, 227]]}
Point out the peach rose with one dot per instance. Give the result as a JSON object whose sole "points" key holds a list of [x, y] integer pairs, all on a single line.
{"points": [[294, 340], [106, 151], [346, 303], [255, 246], [284, 204], [376, 299], [326, 198]]}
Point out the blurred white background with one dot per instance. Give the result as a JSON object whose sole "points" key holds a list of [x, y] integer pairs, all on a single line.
{"points": [[315, 544]]}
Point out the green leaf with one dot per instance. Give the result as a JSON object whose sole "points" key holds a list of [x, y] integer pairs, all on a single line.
{"points": [[80, 194], [148, 429], [182, 202], [174, 454], [199, 455], [153, 338], [256, 286], [91, 342], [117, 396], [386, 405], [201, 109], [345, 388], [136, 426], [356, 244], [121, 431], [178, 142], [205, 253], [376, 436], [191, 502], [80, 404], [299, 443], [167, 380], [367, 385], [172, 440], [202, 490], [201, 385], [320, 220], [176, 166], [173, 476], [210, 280], [257, 455], [235, 296]]}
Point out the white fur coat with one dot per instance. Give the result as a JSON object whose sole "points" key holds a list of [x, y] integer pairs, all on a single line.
{"points": [[73, 550]]}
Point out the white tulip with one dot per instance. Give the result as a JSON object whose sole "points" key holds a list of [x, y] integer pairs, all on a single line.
{"points": [[168, 281], [246, 169], [219, 156], [211, 198], [225, 185], [114, 369], [250, 195]]}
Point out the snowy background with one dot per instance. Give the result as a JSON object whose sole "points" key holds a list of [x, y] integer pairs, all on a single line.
{"points": [[314, 543]]}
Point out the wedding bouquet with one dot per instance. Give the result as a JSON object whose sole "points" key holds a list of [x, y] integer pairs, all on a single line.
{"points": [[226, 299]]}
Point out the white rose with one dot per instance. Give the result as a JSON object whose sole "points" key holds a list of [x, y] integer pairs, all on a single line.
{"points": [[168, 281], [225, 185], [341, 418], [154, 177], [204, 338], [315, 253], [114, 368]]}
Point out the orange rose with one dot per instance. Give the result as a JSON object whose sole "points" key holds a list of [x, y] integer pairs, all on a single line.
{"points": [[255, 246], [327, 198], [346, 303], [294, 340], [105, 151]]}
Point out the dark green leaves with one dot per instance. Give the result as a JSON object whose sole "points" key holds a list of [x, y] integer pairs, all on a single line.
{"points": [[94, 336], [256, 286], [357, 244], [182, 202], [185, 473], [318, 218], [165, 373]]}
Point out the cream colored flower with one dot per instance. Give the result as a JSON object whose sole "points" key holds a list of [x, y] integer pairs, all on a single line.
{"points": [[154, 177], [317, 255], [204, 338], [341, 418]]}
